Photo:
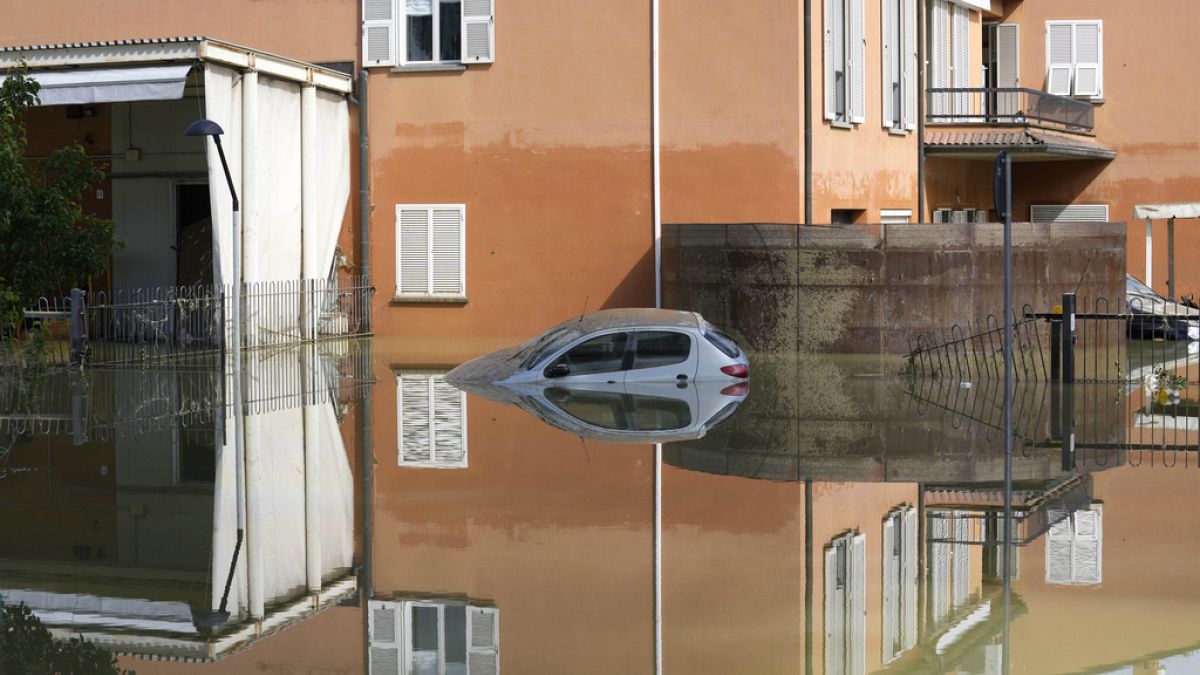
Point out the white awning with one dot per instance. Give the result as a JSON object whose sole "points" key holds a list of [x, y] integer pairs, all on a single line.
{"points": [[109, 85], [1164, 211]]}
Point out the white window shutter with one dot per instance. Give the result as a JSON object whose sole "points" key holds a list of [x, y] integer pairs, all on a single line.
{"points": [[856, 660], [910, 578], [887, 19], [940, 551], [1059, 58], [835, 619], [1088, 39], [379, 33], [962, 566], [1008, 68], [1068, 213], [415, 403], [857, 53], [961, 62], [908, 66], [412, 260], [384, 631], [449, 424], [832, 40], [892, 570], [1087, 556], [483, 641], [446, 251], [939, 57], [478, 31]]}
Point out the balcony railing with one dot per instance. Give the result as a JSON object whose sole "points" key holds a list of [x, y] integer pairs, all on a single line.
{"points": [[1018, 105]]}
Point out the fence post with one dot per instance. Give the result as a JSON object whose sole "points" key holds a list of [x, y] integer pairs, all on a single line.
{"points": [[1068, 338], [78, 327]]}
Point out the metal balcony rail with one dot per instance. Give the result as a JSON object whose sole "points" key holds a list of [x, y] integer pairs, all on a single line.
{"points": [[1016, 105]]}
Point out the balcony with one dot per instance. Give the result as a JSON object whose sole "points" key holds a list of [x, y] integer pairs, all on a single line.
{"points": [[985, 121], [1006, 106]]}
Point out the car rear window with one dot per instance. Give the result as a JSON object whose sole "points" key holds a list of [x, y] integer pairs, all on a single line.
{"points": [[661, 348], [722, 342]]}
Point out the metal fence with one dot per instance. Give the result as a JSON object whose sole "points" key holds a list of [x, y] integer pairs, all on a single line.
{"points": [[1008, 105], [190, 322]]}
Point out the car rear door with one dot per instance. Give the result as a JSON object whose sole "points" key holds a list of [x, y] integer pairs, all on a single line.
{"points": [[662, 355]]}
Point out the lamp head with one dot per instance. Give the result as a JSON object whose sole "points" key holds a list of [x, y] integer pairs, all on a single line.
{"points": [[204, 128]]}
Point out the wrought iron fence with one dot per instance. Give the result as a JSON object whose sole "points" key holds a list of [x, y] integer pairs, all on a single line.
{"points": [[975, 350], [1008, 105]]}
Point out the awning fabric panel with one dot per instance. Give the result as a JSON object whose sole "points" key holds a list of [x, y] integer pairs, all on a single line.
{"points": [[1164, 211], [111, 85]]}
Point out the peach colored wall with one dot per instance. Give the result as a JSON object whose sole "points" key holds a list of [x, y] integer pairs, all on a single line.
{"points": [[865, 167], [1148, 117], [548, 148], [732, 128], [312, 30]]}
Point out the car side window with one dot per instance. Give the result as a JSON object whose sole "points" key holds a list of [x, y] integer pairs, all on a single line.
{"points": [[661, 348], [602, 354]]}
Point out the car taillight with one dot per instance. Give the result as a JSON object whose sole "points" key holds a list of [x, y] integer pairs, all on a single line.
{"points": [[739, 389], [736, 370]]}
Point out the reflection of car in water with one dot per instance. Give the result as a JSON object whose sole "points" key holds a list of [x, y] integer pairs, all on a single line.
{"points": [[631, 413], [613, 347], [1153, 317]]}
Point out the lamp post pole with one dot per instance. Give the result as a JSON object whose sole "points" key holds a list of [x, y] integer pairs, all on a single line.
{"points": [[211, 129]]}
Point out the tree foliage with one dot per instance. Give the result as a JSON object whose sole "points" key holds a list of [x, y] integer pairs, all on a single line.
{"points": [[27, 648], [47, 242]]}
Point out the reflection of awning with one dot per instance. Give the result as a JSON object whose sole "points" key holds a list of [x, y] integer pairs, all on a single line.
{"points": [[1024, 144], [108, 85]]}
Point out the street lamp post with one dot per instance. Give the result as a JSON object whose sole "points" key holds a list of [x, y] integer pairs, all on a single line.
{"points": [[209, 128]]}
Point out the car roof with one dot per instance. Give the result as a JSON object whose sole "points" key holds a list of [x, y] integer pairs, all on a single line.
{"points": [[633, 317]]}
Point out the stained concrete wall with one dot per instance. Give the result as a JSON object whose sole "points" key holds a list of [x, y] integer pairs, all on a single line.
{"points": [[871, 289]]}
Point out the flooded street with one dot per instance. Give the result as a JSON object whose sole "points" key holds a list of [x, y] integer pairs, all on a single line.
{"points": [[842, 519]]}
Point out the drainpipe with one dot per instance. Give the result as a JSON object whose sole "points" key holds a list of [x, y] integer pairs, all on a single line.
{"points": [[808, 128], [364, 193], [920, 111], [655, 142]]}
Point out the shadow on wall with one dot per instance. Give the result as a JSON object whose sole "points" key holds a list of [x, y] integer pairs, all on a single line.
{"points": [[870, 289]]}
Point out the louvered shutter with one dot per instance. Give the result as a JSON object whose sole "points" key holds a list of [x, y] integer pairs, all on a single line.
{"points": [[1088, 37], [483, 641], [888, 19], [449, 424], [940, 552], [1008, 67], [384, 629], [1068, 213], [857, 578], [892, 569], [412, 261], [478, 31], [962, 568], [832, 58], [961, 66], [857, 62], [1058, 549], [378, 33], [1059, 58], [908, 66], [910, 578], [1087, 554], [835, 621], [939, 61], [447, 251], [415, 416]]}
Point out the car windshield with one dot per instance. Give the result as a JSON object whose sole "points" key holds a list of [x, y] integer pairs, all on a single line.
{"points": [[540, 347]]}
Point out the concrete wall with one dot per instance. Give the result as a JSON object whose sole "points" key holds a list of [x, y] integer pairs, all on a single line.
{"points": [[872, 288]]}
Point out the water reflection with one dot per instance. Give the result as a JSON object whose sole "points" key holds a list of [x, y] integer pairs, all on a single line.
{"points": [[841, 519]]}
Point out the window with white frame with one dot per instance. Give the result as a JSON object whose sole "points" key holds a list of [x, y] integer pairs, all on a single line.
{"points": [[1075, 58], [949, 60], [846, 604], [899, 25], [430, 252], [895, 216], [426, 32], [433, 637], [899, 582], [845, 61], [1075, 546], [432, 422]]}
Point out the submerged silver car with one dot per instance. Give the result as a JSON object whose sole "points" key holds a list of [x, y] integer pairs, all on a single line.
{"points": [[615, 346]]}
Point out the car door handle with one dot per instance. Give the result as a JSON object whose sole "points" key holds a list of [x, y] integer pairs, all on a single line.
{"points": [[681, 377]]}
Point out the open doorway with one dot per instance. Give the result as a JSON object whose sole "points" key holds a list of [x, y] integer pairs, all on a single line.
{"points": [[194, 251]]}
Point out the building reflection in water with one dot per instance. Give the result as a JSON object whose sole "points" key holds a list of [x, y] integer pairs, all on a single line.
{"points": [[838, 521]]}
